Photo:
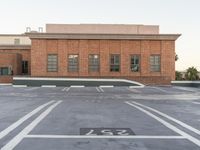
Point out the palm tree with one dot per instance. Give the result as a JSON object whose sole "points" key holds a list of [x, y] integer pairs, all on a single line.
{"points": [[192, 74]]}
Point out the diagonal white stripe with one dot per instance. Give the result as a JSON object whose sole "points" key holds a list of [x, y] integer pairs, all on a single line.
{"points": [[170, 118], [18, 138], [168, 125], [21, 120]]}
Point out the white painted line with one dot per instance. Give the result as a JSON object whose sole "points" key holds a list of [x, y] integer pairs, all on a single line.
{"points": [[168, 125], [19, 137], [134, 90], [185, 81], [5, 84], [19, 85], [159, 89], [31, 89], [77, 86], [67, 89], [64, 88], [170, 118], [102, 137], [100, 88], [196, 103], [106, 86], [185, 89], [21, 120], [135, 87], [49, 86]]}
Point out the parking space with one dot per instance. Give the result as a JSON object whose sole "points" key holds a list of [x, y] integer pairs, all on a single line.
{"points": [[82, 118]]}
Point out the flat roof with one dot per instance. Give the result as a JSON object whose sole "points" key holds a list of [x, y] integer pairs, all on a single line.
{"points": [[103, 36], [11, 47]]}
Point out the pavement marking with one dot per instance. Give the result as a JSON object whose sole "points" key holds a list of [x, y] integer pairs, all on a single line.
{"points": [[77, 86], [19, 137], [164, 91], [99, 89], [49, 86], [171, 118], [134, 90], [19, 85], [5, 84], [133, 87], [196, 103], [31, 89], [106, 86], [21, 120], [66, 89], [184, 89], [168, 125], [103, 137]]}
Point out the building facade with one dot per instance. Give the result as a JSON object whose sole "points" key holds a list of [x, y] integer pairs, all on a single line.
{"points": [[134, 52]]}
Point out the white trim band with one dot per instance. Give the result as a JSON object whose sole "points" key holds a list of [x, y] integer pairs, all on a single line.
{"points": [[19, 85]]}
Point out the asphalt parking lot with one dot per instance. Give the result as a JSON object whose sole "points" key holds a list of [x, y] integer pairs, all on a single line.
{"points": [[99, 118]]}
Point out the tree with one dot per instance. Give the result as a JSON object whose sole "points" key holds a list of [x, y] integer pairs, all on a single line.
{"points": [[179, 75], [191, 74], [176, 57]]}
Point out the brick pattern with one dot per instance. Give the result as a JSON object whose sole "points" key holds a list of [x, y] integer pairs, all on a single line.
{"points": [[25, 54], [144, 48]]}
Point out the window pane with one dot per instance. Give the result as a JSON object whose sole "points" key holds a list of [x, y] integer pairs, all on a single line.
{"points": [[24, 67], [94, 63], [73, 63], [155, 63], [135, 63], [52, 65], [115, 63], [4, 71]]}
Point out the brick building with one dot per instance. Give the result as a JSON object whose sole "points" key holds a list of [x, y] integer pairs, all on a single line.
{"points": [[136, 52]]}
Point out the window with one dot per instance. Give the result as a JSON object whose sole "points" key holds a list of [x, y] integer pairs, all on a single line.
{"points": [[93, 63], [24, 67], [73, 63], [16, 41], [52, 63], [114, 63], [155, 63], [5, 71], [135, 63]]}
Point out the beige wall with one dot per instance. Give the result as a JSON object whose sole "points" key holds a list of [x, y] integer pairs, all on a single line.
{"points": [[102, 28], [9, 39]]}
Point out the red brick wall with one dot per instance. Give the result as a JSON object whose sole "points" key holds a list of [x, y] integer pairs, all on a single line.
{"points": [[10, 60], [26, 55], [144, 48]]}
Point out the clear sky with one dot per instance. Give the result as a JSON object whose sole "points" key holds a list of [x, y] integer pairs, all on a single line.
{"points": [[173, 16]]}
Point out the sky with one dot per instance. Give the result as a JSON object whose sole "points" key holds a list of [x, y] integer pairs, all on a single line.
{"points": [[173, 16]]}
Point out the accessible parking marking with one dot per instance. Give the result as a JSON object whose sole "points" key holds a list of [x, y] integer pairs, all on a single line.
{"points": [[19, 137], [165, 123]]}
